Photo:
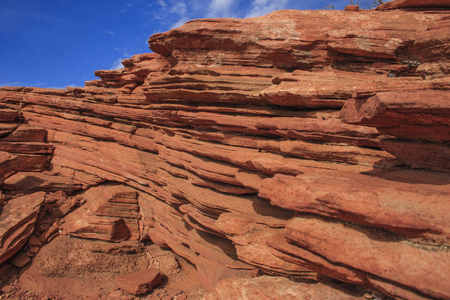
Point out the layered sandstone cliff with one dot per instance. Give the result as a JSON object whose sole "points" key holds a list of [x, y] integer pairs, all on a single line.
{"points": [[302, 144]]}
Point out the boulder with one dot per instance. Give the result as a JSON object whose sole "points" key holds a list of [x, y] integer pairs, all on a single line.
{"points": [[140, 282], [17, 220], [109, 213]]}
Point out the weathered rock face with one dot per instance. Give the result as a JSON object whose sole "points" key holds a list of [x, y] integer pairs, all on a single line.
{"points": [[299, 144], [266, 287], [110, 213], [17, 223], [22, 147]]}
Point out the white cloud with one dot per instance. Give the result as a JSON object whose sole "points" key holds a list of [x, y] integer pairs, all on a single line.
{"points": [[179, 23], [111, 33], [12, 19], [34, 84], [162, 3], [263, 7], [14, 83], [62, 87], [117, 64], [38, 84], [179, 11], [179, 8], [220, 8], [171, 13], [126, 52], [128, 6]]}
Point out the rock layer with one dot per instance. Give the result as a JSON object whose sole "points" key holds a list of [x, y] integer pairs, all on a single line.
{"points": [[273, 144], [110, 213], [17, 223]]}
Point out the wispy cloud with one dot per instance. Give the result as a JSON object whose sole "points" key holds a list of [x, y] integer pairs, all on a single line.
{"points": [[125, 52], [111, 33], [179, 23], [171, 13], [127, 7], [179, 8], [20, 83], [38, 84], [12, 14], [61, 87], [263, 7], [179, 12], [174, 13], [220, 8], [13, 83], [117, 64], [11, 19], [162, 3]]}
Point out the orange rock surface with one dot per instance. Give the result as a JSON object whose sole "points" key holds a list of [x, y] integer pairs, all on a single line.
{"points": [[302, 144]]}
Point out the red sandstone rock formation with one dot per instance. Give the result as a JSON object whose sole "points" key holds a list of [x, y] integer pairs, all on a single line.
{"points": [[17, 223], [140, 282], [300, 144]]}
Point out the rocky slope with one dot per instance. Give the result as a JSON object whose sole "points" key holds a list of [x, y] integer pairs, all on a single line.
{"points": [[303, 144]]}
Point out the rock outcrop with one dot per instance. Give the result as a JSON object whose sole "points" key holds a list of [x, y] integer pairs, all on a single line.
{"points": [[17, 223], [302, 144], [110, 214]]}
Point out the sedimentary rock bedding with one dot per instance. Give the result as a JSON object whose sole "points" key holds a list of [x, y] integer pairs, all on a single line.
{"points": [[301, 144]]}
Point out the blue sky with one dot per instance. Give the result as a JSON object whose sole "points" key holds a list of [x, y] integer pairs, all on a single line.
{"points": [[59, 43]]}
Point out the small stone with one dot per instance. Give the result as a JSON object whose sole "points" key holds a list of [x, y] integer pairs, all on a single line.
{"points": [[177, 292], [140, 282], [67, 207], [20, 260], [115, 295], [58, 196], [181, 297], [49, 233], [7, 289], [368, 296], [34, 250], [255, 273], [92, 297], [34, 242], [45, 226], [4, 269]]}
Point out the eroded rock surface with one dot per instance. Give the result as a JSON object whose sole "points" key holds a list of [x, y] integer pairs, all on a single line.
{"points": [[301, 144], [17, 220], [272, 288]]}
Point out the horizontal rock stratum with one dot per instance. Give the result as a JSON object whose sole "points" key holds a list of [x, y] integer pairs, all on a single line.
{"points": [[301, 144]]}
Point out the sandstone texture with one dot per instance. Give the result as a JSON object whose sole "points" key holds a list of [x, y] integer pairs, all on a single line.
{"points": [[17, 223], [272, 288], [309, 145], [140, 282]]}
